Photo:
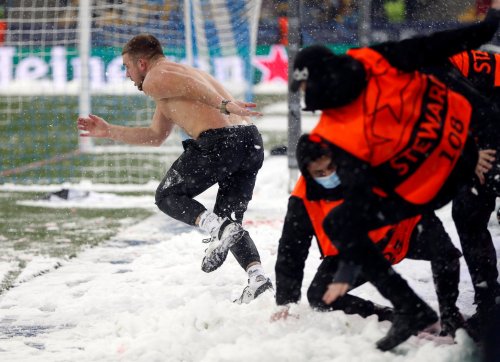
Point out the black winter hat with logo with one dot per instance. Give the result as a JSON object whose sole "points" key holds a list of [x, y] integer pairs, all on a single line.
{"points": [[331, 80]]}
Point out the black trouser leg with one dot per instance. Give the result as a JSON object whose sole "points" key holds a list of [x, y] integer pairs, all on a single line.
{"points": [[431, 242], [349, 304], [471, 213], [245, 251], [348, 230], [190, 175], [446, 279]]}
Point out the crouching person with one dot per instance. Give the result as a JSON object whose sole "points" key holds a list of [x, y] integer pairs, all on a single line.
{"points": [[316, 193]]}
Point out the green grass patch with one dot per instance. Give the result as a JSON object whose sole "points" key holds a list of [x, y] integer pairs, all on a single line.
{"points": [[31, 231], [36, 131]]}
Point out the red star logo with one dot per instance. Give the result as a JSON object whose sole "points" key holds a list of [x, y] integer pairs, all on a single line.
{"points": [[274, 66]]}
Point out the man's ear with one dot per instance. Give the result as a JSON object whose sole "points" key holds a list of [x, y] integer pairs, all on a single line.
{"points": [[142, 64]]}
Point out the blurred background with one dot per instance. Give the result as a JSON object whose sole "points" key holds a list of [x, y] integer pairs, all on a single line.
{"points": [[62, 58]]}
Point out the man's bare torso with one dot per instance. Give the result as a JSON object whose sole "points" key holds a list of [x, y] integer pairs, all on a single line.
{"points": [[192, 116]]}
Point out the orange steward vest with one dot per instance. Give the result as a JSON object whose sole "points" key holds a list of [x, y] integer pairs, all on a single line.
{"points": [[479, 64], [399, 235], [408, 126]]}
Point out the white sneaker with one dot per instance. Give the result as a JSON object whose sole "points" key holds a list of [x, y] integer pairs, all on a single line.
{"points": [[253, 290], [228, 234]]}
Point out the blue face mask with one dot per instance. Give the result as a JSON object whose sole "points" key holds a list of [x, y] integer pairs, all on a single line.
{"points": [[328, 182]]}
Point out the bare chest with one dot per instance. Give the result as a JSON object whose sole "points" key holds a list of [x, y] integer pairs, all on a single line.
{"points": [[193, 117]]}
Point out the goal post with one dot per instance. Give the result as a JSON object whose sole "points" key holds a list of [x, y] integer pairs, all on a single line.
{"points": [[84, 28], [63, 59]]}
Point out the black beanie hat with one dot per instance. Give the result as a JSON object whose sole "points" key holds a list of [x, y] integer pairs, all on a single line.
{"points": [[310, 147], [331, 80]]}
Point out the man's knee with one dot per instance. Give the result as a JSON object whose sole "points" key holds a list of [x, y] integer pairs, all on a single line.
{"points": [[164, 199]]}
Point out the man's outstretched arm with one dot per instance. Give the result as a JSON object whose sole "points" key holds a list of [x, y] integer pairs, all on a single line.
{"points": [[154, 135]]}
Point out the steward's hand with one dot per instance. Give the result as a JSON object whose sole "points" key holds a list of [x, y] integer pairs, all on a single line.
{"points": [[334, 291], [484, 164], [93, 126]]}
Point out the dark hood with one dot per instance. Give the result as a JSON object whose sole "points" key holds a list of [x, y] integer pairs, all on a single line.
{"points": [[310, 148]]}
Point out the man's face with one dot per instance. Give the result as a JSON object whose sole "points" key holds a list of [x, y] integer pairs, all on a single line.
{"points": [[134, 70], [321, 167]]}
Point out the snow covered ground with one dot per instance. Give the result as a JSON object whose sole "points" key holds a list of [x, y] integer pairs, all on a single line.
{"points": [[143, 297]]}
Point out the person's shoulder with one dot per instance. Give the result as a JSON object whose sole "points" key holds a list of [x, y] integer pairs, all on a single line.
{"points": [[167, 66], [161, 72]]}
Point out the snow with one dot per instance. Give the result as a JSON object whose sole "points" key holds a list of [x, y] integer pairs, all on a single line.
{"points": [[92, 200], [143, 297]]}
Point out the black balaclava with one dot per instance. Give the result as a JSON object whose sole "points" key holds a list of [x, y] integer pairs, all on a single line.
{"points": [[331, 80]]}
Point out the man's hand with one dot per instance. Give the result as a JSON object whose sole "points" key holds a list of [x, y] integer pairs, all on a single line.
{"points": [[282, 314], [484, 163], [334, 291], [241, 108], [93, 126]]}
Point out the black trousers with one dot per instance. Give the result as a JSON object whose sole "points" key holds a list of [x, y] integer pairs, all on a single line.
{"points": [[230, 157], [429, 241], [471, 213]]}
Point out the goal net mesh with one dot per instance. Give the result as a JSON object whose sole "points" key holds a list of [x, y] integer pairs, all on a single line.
{"points": [[40, 81]]}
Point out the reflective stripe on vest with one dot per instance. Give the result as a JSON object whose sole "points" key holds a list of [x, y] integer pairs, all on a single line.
{"points": [[408, 126]]}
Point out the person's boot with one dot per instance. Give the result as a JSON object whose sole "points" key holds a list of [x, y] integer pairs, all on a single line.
{"points": [[406, 324], [488, 303], [411, 313], [476, 325], [451, 320], [255, 288], [446, 275]]}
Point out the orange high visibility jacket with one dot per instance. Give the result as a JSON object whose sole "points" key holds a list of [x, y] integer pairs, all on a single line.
{"points": [[474, 64], [408, 126], [399, 235]]}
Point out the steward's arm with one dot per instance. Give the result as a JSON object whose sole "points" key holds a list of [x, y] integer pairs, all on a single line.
{"points": [[293, 250], [436, 48]]}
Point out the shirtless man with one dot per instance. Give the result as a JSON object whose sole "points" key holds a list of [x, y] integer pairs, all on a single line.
{"points": [[224, 148]]}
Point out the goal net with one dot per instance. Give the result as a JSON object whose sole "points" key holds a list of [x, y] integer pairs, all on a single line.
{"points": [[59, 59]]}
